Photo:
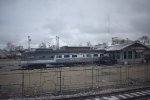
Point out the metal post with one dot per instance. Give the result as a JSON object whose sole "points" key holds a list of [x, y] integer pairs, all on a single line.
{"points": [[120, 76], [98, 77], [29, 77], [127, 76], [40, 77], [128, 73], [148, 71], [109, 75], [92, 72], [60, 90], [22, 83], [101, 77], [92, 76]]}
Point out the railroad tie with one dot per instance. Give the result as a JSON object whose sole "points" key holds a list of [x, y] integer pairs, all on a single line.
{"points": [[145, 92], [129, 95], [148, 90], [135, 94], [140, 93], [122, 96], [97, 99], [111, 98]]}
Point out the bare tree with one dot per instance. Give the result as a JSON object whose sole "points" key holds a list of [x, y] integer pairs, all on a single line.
{"points": [[42, 45], [105, 44], [10, 47], [19, 48], [12, 50], [144, 40], [89, 44], [80, 44]]}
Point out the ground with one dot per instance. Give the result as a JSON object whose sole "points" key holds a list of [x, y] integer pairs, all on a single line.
{"points": [[14, 82]]}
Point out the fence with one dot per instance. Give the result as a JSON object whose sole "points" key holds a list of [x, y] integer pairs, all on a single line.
{"points": [[71, 79]]}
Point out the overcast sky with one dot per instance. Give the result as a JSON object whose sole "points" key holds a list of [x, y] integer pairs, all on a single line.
{"points": [[74, 21]]}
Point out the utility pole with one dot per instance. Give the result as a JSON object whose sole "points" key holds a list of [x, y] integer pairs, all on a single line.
{"points": [[57, 42], [29, 41], [107, 24]]}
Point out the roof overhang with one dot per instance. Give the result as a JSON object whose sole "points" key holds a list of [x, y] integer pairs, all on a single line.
{"points": [[124, 46]]}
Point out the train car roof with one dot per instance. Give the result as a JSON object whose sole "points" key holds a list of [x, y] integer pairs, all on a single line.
{"points": [[41, 51]]}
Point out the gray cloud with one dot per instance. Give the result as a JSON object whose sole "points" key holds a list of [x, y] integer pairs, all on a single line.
{"points": [[142, 25], [75, 21]]}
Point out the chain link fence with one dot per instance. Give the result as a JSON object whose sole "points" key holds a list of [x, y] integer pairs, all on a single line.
{"points": [[53, 81]]}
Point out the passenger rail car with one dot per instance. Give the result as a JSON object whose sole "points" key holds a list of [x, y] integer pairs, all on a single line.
{"points": [[44, 57]]}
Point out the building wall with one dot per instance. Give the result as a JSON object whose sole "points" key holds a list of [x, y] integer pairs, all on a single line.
{"points": [[137, 55], [128, 60]]}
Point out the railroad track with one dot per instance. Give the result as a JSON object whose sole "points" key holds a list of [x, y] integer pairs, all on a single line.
{"points": [[129, 94], [142, 93], [124, 95]]}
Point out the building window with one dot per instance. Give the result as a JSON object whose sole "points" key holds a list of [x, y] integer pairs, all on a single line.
{"points": [[137, 55], [95, 55], [125, 55], [74, 56], [118, 55], [130, 54], [113, 55], [66, 56], [58, 56], [88, 55]]}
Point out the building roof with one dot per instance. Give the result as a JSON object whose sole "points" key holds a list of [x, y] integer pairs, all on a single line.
{"points": [[75, 48], [123, 46]]}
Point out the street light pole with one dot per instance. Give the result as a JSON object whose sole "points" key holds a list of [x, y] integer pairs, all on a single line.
{"points": [[29, 40]]}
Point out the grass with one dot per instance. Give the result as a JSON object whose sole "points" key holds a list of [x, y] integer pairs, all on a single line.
{"points": [[9, 61]]}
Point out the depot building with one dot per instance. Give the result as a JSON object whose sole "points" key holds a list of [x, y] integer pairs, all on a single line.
{"points": [[128, 53]]}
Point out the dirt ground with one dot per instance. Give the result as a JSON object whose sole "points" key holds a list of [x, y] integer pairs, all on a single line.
{"points": [[52, 80], [8, 64]]}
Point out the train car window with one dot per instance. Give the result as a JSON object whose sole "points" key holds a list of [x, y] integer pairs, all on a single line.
{"points": [[66, 56], [88, 55], [74, 56], [50, 57], [58, 56], [95, 55], [31, 57], [42, 57], [101, 55]]}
